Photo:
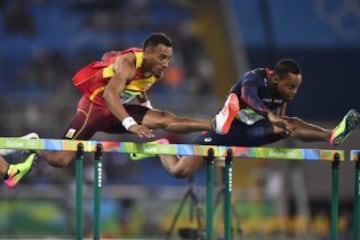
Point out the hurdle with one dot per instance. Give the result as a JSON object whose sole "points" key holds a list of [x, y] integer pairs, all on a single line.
{"points": [[335, 156], [79, 167], [210, 152], [355, 156]]}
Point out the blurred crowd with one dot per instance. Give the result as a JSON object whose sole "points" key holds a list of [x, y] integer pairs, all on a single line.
{"points": [[44, 43]]}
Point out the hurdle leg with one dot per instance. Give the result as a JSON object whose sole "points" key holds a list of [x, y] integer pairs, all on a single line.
{"points": [[335, 197], [177, 215], [189, 194], [210, 195], [356, 230], [97, 191], [227, 192], [79, 168]]}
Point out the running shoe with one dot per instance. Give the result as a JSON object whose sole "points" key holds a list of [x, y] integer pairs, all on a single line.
{"points": [[16, 172], [343, 130], [140, 156], [224, 118], [5, 152]]}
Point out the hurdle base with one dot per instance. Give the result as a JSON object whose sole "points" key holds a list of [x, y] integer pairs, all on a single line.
{"points": [[191, 234]]}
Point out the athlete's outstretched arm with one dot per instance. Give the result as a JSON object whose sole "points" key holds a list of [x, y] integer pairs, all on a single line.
{"points": [[249, 95], [124, 68]]}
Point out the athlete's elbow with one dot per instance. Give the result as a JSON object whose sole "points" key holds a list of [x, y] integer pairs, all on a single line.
{"points": [[108, 95]]}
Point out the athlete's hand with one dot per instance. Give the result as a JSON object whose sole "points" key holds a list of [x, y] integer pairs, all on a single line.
{"points": [[141, 131], [286, 126], [280, 122]]}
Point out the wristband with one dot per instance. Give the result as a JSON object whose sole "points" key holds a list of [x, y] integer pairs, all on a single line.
{"points": [[128, 122], [147, 104]]}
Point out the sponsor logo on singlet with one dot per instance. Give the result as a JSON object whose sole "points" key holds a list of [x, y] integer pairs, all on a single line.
{"points": [[127, 96], [70, 133], [271, 100]]}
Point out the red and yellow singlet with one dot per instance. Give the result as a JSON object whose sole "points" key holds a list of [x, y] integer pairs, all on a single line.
{"points": [[92, 79]]}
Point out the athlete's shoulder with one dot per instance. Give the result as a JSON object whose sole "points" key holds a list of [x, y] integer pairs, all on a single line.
{"points": [[132, 50], [261, 72], [132, 55], [112, 55], [107, 55], [253, 75]]}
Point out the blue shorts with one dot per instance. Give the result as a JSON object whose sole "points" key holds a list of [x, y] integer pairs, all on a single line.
{"points": [[241, 134]]}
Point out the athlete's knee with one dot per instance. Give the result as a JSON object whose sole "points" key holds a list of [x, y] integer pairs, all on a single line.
{"points": [[59, 163], [187, 166], [165, 118], [59, 159], [181, 173]]}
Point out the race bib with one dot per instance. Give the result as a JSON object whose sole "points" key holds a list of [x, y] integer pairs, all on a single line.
{"points": [[249, 116], [127, 96]]}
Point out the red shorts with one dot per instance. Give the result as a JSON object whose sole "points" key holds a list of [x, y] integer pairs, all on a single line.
{"points": [[91, 118]]}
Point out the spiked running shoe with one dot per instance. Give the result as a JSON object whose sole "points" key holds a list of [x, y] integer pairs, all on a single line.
{"points": [[140, 156], [5, 152], [343, 130], [16, 172], [224, 118]]}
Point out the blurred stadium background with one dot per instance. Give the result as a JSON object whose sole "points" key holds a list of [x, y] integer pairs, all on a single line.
{"points": [[44, 42]]}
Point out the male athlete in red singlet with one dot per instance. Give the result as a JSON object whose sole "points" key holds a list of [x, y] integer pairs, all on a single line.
{"points": [[110, 84]]}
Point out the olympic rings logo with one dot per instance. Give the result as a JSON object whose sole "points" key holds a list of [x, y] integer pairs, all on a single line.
{"points": [[343, 16]]}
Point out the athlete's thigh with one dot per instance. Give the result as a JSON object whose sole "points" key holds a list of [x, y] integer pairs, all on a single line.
{"points": [[85, 122], [77, 128], [138, 112], [156, 118], [240, 134]]}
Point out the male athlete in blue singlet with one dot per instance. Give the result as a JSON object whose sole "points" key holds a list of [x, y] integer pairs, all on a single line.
{"points": [[263, 95]]}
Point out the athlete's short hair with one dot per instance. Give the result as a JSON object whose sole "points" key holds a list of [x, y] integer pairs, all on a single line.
{"points": [[285, 66], [155, 39]]}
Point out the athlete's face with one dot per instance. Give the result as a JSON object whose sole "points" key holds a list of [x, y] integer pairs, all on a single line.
{"points": [[288, 85], [158, 59]]}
